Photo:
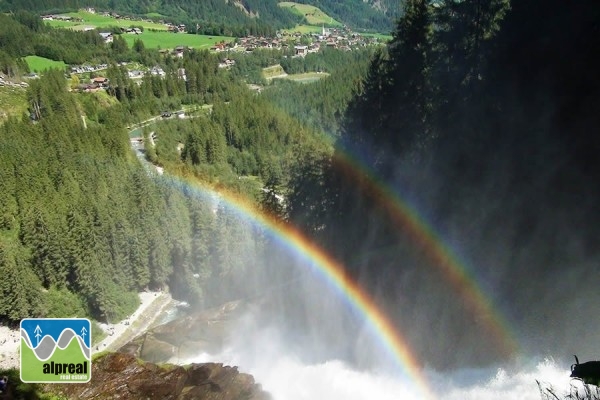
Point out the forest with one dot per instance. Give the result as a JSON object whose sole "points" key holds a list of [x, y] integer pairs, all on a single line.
{"points": [[84, 227], [481, 114]]}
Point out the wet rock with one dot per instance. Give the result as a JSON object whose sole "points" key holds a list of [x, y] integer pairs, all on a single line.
{"points": [[123, 376], [187, 336]]}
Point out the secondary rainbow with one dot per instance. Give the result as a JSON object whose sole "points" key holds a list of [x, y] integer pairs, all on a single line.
{"points": [[440, 255], [380, 325]]}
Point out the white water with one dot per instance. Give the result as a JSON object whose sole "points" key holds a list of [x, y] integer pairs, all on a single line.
{"points": [[286, 377]]}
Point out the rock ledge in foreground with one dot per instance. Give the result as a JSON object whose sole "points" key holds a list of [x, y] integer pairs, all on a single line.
{"points": [[122, 376]]}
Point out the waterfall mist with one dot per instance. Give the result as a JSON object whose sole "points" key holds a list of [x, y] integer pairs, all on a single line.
{"points": [[300, 338]]}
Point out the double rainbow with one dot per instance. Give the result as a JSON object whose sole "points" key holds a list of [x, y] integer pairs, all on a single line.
{"points": [[402, 214]]}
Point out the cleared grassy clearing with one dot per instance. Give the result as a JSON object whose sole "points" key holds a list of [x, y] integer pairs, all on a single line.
{"points": [[168, 40], [41, 64], [305, 29], [273, 71], [382, 37], [13, 101], [307, 77], [101, 21], [313, 15]]}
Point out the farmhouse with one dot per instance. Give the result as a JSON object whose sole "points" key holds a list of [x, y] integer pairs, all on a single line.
{"points": [[107, 36], [301, 51], [178, 51], [133, 31], [101, 82]]}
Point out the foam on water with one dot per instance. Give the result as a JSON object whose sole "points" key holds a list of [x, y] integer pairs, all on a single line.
{"points": [[287, 377]]}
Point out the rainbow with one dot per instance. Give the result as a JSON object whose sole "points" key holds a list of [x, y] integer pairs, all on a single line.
{"points": [[390, 339], [440, 255]]}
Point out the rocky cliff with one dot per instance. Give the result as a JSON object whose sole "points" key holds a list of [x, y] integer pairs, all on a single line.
{"points": [[123, 376], [190, 335]]}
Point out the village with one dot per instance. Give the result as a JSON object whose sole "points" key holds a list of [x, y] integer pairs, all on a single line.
{"points": [[303, 43], [295, 44]]}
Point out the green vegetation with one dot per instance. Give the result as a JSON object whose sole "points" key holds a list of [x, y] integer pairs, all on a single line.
{"points": [[214, 17], [313, 15], [334, 76], [304, 29], [13, 101], [40, 64], [101, 21], [168, 40], [83, 227], [380, 36], [272, 71], [306, 77], [358, 14], [26, 391]]}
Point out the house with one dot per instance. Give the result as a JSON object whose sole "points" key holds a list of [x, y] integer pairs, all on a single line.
{"points": [[301, 50], [100, 81], [136, 73], [88, 87], [177, 29], [178, 51], [157, 71], [133, 31], [107, 36]]}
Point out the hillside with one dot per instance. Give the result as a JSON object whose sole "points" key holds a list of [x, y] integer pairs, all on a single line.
{"points": [[208, 16], [373, 15], [313, 15], [231, 18]]}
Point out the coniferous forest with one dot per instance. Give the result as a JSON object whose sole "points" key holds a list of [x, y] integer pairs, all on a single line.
{"points": [[481, 115]]}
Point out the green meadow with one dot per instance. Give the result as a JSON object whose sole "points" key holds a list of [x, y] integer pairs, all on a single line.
{"points": [[40, 64], [273, 71], [101, 21], [313, 15], [382, 37], [13, 101], [169, 40], [305, 29], [307, 77]]}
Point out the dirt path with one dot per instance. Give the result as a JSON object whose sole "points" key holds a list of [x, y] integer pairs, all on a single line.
{"points": [[152, 304]]}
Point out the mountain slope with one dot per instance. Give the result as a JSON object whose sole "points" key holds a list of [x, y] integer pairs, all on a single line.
{"points": [[375, 15], [220, 16], [230, 17]]}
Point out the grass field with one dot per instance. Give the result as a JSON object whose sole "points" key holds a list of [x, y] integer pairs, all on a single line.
{"points": [[305, 29], [13, 101], [168, 40], [307, 77], [40, 64], [272, 71], [100, 21], [313, 15], [380, 36]]}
